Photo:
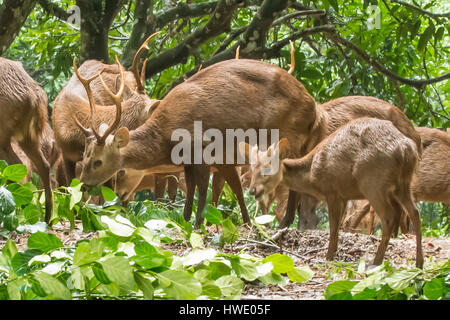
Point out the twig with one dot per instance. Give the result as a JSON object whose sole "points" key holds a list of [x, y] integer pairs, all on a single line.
{"points": [[272, 246]]}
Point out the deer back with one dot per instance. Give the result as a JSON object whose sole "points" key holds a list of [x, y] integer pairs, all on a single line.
{"points": [[432, 179], [23, 103]]}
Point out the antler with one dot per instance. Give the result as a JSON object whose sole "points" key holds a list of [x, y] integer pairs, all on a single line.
{"points": [[140, 78], [117, 98], [292, 65], [86, 84]]}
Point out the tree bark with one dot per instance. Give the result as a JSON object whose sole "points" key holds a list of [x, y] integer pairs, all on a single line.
{"points": [[144, 25], [13, 14], [96, 19]]}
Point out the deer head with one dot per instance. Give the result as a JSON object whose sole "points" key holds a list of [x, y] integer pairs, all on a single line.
{"points": [[102, 148], [262, 183]]}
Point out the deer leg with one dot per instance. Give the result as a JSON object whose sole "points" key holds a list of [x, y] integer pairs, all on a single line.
{"points": [[290, 210], [8, 154], [307, 218], [218, 182], [32, 150], [160, 186], [232, 178], [409, 207], [336, 210], [172, 185], [69, 169], [190, 190], [371, 228], [389, 211], [202, 173]]}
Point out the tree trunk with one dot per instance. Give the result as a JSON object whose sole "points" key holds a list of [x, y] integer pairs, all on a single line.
{"points": [[13, 14], [96, 19]]}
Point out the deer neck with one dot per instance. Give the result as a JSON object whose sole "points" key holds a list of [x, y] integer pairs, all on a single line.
{"points": [[147, 148], [297, 176], [318, 131]]}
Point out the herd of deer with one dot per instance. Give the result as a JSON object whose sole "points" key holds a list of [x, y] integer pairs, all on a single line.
{"points": [[107, 130]]}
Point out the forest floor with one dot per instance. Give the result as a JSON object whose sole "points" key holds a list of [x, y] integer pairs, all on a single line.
{"points": [[305, 248]]}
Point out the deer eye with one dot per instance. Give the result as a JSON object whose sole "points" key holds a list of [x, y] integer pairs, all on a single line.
{"points": [[121, 173], [97, 164]]}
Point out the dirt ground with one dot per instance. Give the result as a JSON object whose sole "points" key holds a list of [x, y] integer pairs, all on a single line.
{"points": [[305, 248]]}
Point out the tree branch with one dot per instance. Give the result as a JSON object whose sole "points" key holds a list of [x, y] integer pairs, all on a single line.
{"points": [[422, 11], [54, 10], [218, 23], [377, 66]]}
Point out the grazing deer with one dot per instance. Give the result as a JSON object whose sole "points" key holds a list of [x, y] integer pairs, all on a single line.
{"points": [[228, 95], [431, 181], [23, 106], [84, 90], [334, 114], [128, 182], [365, 159]]}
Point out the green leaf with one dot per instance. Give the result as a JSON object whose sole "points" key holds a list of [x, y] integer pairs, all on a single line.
{"points": [[145, 285], [32, 213], [281, 263], [182, 285], [434, 289], [44, 241], [100, 274], [425, 37], [108, 194], [229, 231], [311, 74], [118, 227], [14, 288], [213, 215], [54, 288], [75, 194], [10, 248], [211, 290], [15, 172], [196, 240], [7, 203], [118, 270], [230, 285], [300, 274], [343, 286], [21, 194], [148, 256], [87, 252]]}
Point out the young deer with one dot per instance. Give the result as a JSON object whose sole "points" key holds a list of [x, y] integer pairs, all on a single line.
{"points": [[334, 114], [23, 106], [365, 159], [84, 90], [431, 181]]}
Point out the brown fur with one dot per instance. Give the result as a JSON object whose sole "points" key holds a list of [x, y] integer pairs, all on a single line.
{"points": [[73, 100], [365, 159], [338, 112], [244, 94], [23, 106], [432, 179]]}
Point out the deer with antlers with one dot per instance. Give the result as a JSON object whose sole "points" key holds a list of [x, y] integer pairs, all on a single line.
{"points": [[207, 96], [23, 106], [197, 176], [86, 101], [367, 158]]}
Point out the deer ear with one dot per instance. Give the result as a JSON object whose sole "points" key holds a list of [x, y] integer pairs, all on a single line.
{"points": [[283, 148], [122, 137], [244, 150], [153, 107]]}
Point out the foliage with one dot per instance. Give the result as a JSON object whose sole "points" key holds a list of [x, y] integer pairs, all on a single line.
{"points": [[387, 283]]}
